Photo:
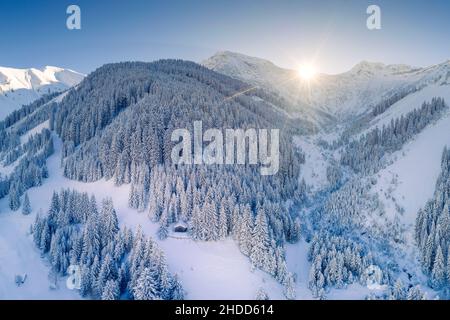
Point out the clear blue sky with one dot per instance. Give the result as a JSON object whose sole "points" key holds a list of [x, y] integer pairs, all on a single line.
{"points": [[334, 32]]}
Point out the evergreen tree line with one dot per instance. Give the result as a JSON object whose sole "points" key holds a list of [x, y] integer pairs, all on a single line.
{"points": [[339, 251], [21, 121], [33, 145], [38, 117], [95, 103], [342, 209], [30, 170], [342, 212], [20, 114], [132, 144], [8, 140], [114, 263], [336, 262], [216, 204], [139, 138], [366, 154], [4, 186], [387, 103], [184, 195], [401, 292], [361, 122], [340, 228], [432, 230], [141, 135], [334, 176], [117, 124]]}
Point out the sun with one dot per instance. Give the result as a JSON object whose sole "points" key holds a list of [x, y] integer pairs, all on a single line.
{"points": [[307, 72]]}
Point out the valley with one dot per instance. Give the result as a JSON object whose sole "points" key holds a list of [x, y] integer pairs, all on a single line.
{"points": [[346, 199]]}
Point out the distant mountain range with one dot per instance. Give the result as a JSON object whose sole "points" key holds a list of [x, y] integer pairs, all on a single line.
{"points": [[342, 95], [22, 86]]}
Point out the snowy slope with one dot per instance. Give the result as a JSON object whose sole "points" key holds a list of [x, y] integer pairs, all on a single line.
{"points": [[23, 86], [20, 256], [413, 174], [409, 103], [217, 270], [409, 179], [208, 270], [342, 95], [404, 187]]}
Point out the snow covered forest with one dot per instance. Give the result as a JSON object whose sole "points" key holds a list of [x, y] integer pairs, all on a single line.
{"points": [[365, 154], [114, 263], [433, 230], [340, 219], [31, 168], [135, 148]]}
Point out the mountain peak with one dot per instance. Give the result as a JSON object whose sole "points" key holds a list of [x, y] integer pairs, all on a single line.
{"points": [[369, 65], [22, 86], [34, 78], [236, 60], [371, 68], [345, 94]]}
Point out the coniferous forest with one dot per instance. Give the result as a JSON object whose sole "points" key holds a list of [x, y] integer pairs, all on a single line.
{"points": [[116, 127]]}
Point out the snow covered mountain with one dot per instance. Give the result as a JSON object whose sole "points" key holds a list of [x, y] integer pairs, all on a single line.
{"points": [[119, 118], [265, 75], [342, 95], [378, 162], [22, 86], [340, 221]]}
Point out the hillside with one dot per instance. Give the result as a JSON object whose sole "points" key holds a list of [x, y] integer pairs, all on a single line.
{"points": [[344, 204], [115, 128]]}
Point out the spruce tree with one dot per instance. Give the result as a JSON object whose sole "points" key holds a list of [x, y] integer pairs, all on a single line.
{"points": [[86, 281], [438, 271], [177, 289], [223, 222], [261, 295], [289, 287], [111, 290], [26, 207], [145, 288], [260, 245], [14, 199], [163, 230], [108, 219], [246, 230]]}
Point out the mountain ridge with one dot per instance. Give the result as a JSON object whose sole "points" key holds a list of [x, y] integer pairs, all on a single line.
{"points": [[114, 129], [22, 86], [342, 95]]}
